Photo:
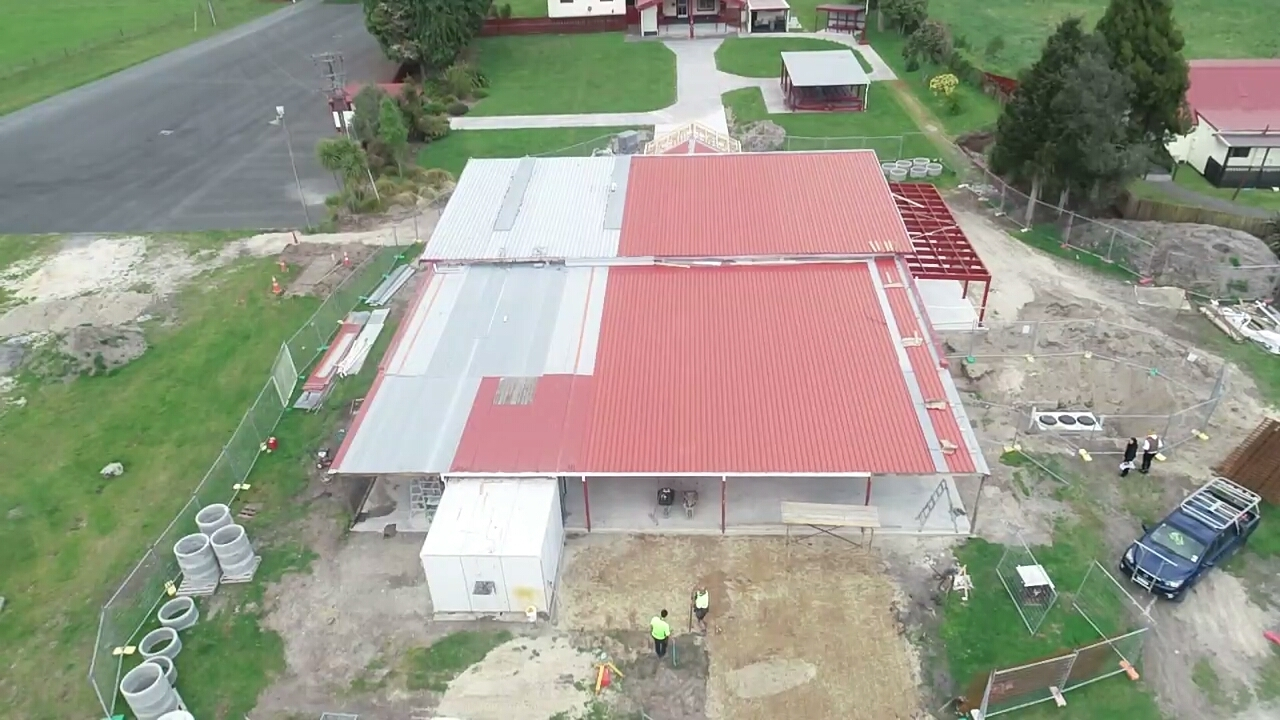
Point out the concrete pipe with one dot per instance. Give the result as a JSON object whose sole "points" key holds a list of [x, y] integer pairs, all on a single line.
{"points": [[179, 613], [212, 517], [170, 670], [196, 559], [162, 641], [177, 715], [147, 692], [921, 161], [231, 546]]}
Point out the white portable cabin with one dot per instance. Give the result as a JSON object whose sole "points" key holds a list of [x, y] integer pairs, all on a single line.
{"points": [[494, 546]]}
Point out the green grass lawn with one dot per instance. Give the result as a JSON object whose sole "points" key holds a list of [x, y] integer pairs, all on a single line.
{"points": [[977, 109], [762, 57], [50, 46], [1246, 31], [526, 8], [1264, 198], [885, 127], [68, 538], [570, 74], [452, 152]]}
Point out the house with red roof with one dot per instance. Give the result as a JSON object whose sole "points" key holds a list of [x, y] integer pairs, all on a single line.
{"points": [[1234, 107]]}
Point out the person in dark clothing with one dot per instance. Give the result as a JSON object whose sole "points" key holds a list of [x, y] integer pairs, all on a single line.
{"points": [[1130, 454]]}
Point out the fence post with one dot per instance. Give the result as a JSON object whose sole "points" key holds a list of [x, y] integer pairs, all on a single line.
{"points": [[1066, 234], [986, 692], [1035, 336], [1111, 245], [1003, 188], [416, 237]]}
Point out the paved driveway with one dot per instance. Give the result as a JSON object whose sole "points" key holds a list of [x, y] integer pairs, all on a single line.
{"points": [[183, 142]]}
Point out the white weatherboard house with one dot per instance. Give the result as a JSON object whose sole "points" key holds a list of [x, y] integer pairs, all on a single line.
{"points": [[585, 8], [494, 548], [1235, 110]]}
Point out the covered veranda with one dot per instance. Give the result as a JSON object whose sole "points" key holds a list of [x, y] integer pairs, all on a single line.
{"points": [[824, 80], [752, 505], [850, 19], [943, 261]]}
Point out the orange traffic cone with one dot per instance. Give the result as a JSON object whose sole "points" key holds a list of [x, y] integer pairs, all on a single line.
{"points": [[275, 287]]}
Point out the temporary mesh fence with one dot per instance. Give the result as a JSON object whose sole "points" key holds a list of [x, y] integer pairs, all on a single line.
{"points": [[132, 605], [1029, 586], [1144, 258], [887, 148]]}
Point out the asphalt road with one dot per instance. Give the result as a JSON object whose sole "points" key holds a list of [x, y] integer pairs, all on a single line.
{"points": [[184, 142]]}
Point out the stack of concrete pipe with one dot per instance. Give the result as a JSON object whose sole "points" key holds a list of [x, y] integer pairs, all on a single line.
{"points": [[196, 559], [166, 665], [179, 613], [177, 715], [232, 548], [211, 518], [149, 694], [161, 641]]}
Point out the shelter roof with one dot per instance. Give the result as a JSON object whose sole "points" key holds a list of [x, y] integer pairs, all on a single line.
{"points": [[824, 68], [754, 204], [1236, 95], [533, 208], [767, 5]]}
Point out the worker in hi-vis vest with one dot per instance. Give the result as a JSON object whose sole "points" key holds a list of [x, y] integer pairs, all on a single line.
{"points": [[660, 630], [701, 604]]}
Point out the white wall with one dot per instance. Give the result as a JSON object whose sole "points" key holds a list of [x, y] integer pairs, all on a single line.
{"points": [[669, 8], [1196, 147], [585, 8]]}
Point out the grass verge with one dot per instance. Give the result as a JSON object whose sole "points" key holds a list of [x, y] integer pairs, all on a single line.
{"points": [[454, 150], [762, 57], [51, 46], [571, 74], [432, 668]]}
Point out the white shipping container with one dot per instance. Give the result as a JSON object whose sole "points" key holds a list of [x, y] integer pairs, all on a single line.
{"points": [[494, 546]]}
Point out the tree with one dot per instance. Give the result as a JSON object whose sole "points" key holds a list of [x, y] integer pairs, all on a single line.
{"points": [[1093, 147], [393, 132], [1146, 46], [427, 33], [906, 15], [348, 163], [931, 41], [1028, 130]]}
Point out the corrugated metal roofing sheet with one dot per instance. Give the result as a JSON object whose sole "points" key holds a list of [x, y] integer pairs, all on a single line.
{"points": [[751, 204], [754, 370], [824, 68], [1236, 95], [481, 322], [533, 208]]}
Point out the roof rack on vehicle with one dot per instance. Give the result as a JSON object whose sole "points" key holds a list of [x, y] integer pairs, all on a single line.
{"points": [[1220, 502]]}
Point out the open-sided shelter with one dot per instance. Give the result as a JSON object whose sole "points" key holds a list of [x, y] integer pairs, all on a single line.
{"points": [[824, 80]]}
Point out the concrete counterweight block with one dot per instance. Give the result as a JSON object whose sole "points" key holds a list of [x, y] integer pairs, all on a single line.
{"points": [[147, 692], [165, 664], [179, 613], [235, 554], [213, 517], [162, 641], [197, 559]]}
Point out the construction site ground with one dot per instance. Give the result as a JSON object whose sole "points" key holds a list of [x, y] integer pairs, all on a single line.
{"points": [[342, 623]]}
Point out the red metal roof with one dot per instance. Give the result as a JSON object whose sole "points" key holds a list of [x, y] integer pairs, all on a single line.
{"points": [[747, 204], [766, 369], [543, 435], [1236, 95], [941, 251], [692, 147]]}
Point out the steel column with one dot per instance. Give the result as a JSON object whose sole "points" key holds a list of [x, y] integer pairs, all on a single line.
{"points": [[586, 502]]}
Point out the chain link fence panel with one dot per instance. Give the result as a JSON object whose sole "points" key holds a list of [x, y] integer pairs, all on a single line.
{"points": [[132, 606]]}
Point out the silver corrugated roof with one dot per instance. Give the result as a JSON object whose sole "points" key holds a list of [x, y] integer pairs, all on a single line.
{"points": [[824, 68], [475, 322], [533, 208]]}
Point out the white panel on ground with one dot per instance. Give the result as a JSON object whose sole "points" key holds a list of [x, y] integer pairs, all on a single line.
{"points": [[946, 304]]}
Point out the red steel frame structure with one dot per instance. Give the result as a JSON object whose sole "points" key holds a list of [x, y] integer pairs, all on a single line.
{"points": [[941, 251]]}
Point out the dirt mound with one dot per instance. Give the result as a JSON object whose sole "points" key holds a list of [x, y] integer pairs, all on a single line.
{"points": [[1206, 259], [763, 136], [531, 678]]}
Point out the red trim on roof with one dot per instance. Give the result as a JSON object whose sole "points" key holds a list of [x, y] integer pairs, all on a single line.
{"points": [[1236, 95], [424, 281], [766, 369], [642, 4], [692, 147], [941, 251], [542, 436], [760, 204], [926, 370]]}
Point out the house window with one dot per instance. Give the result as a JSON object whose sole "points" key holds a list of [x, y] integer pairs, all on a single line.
{"points": [[484, 587], [707, 5], [1238, 152]]}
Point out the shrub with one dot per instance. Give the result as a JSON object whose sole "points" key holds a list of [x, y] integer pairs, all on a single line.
{"points": [[459, 80], [458, 108], [493, 11], [931, 42], [434, 127], [479, 93], [436, 178], [912, 64], [434, 108], [505, 11]]}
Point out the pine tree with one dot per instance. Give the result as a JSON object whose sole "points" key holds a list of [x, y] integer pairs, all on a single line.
{"points": [[1028, 131], [1146, 46]]}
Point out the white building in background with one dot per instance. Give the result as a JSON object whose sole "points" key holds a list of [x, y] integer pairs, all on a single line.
{"points": [[585, 8], [1235, 111]]}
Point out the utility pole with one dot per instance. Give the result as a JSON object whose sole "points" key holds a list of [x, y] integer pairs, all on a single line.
{"points": [[288, 139], [334, 73]]}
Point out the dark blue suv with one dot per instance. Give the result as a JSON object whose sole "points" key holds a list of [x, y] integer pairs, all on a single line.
{"points": [[1203, 531]]}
